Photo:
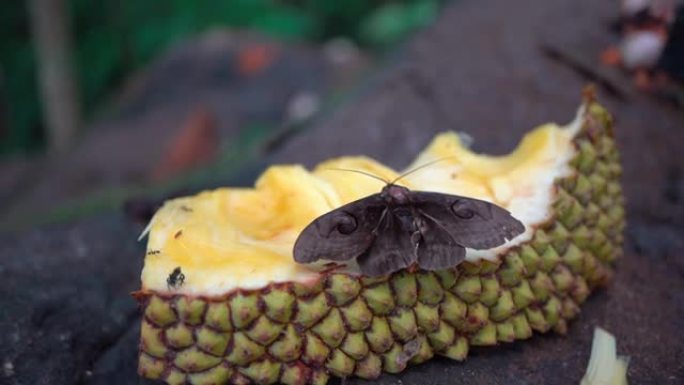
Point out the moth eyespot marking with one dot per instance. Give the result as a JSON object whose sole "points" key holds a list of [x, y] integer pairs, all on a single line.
{"points": [[346, 224], [459, 208], [465, 213]]}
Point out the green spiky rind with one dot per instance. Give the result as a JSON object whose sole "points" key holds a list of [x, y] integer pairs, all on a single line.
{"points": [[195, 360], [369, 367], [190, 310], [175, 377], [278, 303], [342, 325], [294, 375], [211, 341], [150, 367], [219, 374], [179, 336], [288, 347]]}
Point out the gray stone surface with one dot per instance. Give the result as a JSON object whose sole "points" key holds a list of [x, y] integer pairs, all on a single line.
{"points": [[67, 317], [64, 298]]}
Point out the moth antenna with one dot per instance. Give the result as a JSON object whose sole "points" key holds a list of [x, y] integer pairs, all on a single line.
{"points": [[361, 172], [409, 172]]}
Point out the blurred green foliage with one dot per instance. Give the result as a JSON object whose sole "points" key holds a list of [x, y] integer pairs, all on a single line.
{"points": [[115, 37]]}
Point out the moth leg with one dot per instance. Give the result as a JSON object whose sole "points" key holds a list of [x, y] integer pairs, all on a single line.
{"points": [[380, 222], [434, 220], [416, 237]]}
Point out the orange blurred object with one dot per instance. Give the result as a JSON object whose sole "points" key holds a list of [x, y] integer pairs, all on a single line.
{"points": [[611, 56], [255, 58], [195, 144], [642, 80]]}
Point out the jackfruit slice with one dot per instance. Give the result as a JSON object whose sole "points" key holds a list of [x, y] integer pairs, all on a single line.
{"points": [[247, 313]]}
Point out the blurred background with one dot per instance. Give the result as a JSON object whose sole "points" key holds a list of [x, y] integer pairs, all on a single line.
{"points": [[125, 102], [99, 100]]}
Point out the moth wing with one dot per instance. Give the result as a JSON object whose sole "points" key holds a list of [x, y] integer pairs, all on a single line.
{"points": [[392, 249], [341, 234], [438, 249], [472, 223]]}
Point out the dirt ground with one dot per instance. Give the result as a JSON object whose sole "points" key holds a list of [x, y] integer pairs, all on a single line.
{"points": [[480, 69]]}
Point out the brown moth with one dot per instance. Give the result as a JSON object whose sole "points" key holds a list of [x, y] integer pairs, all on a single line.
{"points": [[399, 228]]}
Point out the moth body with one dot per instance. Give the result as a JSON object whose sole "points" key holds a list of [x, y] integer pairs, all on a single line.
{"points": [[395, 195], [402, 229]]}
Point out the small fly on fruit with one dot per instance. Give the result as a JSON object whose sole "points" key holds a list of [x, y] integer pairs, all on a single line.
{"points": [[176, 279]]}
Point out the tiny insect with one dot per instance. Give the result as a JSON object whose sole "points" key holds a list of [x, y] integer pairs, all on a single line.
{"points": [[178, 234], [175, 279], [186, 209], [153, 252]]}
